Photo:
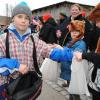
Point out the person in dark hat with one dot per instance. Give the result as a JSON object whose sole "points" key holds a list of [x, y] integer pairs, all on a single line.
{"points": [[48, 31], [62, 17]]}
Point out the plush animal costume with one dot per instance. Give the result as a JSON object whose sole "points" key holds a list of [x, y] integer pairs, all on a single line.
{"points": [[78, 26]]}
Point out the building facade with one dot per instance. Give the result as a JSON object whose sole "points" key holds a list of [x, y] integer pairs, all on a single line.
{"points": [[55, 9]]}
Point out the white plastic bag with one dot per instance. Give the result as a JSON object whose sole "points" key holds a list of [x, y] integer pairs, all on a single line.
{"points": [[50, 70], [79, 77]]}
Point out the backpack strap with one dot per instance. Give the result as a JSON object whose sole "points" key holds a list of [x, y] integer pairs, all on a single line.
{"points": [[34, 53], [35, 58], [7, 46]]}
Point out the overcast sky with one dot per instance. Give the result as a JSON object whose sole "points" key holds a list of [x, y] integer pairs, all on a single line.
{"points": [[34, 4]]}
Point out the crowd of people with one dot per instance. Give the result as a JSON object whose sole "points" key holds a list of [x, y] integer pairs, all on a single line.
{"points": [[74, 35]]}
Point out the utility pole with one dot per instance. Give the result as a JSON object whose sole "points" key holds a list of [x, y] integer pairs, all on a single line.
{"points": [[7, 9]]}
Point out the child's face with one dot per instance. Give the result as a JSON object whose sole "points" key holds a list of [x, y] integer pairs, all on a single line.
{"points": [[21, 22], [74, 34]]}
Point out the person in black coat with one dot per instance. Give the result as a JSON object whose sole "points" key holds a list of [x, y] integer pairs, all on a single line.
{"points": [[94, 57], [48, 31], [94, 17], [93, 39], [62, 17]]}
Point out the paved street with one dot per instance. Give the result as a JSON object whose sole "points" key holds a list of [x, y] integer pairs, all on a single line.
{"points": [[49, 92], [54, 91]]}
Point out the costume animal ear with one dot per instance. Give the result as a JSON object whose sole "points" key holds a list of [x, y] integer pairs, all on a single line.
{"points": [[77, 25]]}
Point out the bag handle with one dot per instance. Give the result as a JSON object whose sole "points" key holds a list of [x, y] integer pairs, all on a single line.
{"points": [[34, 53]]}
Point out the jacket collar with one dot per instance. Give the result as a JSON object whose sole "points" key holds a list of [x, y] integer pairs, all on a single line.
{"points": [[12, 29]]}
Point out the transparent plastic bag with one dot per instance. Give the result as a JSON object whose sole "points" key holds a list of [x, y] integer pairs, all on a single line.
{"points": [[50, 70], [79, 77]]}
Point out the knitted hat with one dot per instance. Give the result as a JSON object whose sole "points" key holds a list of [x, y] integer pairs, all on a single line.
{"points": [[46, 17], [77, 25], [95, 14], [22, 8]]}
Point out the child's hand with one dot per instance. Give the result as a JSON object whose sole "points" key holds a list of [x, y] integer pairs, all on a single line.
{"points": [[78, 55], [23, 69], [52, 45], [60, 47]]}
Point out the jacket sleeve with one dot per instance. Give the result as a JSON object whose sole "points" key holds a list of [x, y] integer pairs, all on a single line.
{"points": [[92, 57], [8, 65], [60, 55]]}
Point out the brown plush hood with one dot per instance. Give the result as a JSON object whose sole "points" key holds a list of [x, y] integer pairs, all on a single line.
{"points": [[77, 25]]}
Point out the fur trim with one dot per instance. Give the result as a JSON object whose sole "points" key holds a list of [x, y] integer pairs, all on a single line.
{"points": [[98, 46], [78, 26], [95, 14]]}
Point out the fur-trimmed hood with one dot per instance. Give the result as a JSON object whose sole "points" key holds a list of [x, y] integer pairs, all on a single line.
{"points": [[95, 14]]}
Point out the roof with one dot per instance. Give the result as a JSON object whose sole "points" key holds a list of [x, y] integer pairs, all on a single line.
{"points": [[4, 20], [58, 3]]}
